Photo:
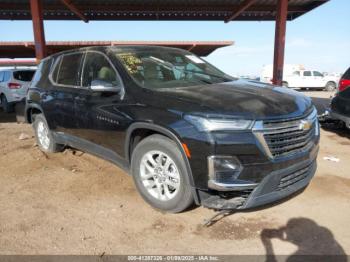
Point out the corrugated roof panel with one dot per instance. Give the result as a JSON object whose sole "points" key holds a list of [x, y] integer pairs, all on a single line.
{"points": [[155, 9]]}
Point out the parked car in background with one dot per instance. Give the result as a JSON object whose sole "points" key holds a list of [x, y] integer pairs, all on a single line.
{"points": [[295, 76], [14, 84], [310, 79], [340, 105], [185, 130]]}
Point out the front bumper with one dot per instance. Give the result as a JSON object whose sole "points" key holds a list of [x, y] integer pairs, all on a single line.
{"points": [[275, 186], [337, 116]]}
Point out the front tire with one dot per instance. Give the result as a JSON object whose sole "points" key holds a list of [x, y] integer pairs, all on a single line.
{"points": [[44, 137], [160, 174]]}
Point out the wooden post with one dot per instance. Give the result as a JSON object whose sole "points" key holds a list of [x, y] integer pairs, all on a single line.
{"points": [[38, 29], [280, 37]]}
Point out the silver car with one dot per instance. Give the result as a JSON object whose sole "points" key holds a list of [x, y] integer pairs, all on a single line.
{"points": [[14, 84]]}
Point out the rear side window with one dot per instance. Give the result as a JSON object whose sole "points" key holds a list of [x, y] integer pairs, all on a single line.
{"points": [[67, 70], [25, 76], [346, 74], [40, 77], [307, 73], [7, 76], [1, 76]]}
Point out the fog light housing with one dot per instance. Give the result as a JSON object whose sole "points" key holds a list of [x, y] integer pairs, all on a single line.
{"points": [[224, 169]]}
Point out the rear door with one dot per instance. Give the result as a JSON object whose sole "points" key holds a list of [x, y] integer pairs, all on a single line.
{"points": [[66, 80]]}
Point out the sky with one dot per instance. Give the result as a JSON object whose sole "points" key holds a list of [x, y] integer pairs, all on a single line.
{"points": [[318, 40]]}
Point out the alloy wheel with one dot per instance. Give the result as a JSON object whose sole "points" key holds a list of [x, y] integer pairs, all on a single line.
{"points": [[160, 175]]}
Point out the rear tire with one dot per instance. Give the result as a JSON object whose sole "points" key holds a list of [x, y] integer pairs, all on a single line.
{"points": [[44, 137], [160, 174], [6, 106], [330, 86]]}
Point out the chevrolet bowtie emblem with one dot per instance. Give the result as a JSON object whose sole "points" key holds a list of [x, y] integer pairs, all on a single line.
{"points": [[305, 125]]}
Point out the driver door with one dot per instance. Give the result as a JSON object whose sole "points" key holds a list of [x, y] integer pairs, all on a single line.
{"points": [[100, 119]]}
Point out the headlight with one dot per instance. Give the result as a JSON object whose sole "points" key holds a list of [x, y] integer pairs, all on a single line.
{"points": [[211, 124]]}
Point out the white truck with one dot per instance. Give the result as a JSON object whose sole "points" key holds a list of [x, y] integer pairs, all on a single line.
{"points": [[295, 76]]}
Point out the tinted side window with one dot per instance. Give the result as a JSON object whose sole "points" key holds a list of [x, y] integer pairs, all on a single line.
{"points": [[37, 74], [307, 73], [7, 76], [98, 71], [25, 76], [347, 74], [296, 73], [1, 76], [69, 70]]}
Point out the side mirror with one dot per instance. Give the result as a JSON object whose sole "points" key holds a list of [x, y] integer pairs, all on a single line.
{"points": [[104, 86]]}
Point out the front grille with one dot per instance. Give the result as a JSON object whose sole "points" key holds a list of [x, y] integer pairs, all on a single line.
{"points": [[287, 137], [294, 177]]}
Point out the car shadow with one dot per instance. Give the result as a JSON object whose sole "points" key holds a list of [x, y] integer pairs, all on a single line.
{"points": [[16, 116], [313, 242], [7, 117]]}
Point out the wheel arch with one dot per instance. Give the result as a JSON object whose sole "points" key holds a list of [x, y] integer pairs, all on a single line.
{"points": [[154, 129], [331, 81], [31, 110]]}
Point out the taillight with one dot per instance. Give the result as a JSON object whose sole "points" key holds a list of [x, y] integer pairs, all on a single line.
{"points": [[14, 85], [344, 84]]}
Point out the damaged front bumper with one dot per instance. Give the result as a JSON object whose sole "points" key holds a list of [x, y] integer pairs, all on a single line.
{"points": [[275, 186]]}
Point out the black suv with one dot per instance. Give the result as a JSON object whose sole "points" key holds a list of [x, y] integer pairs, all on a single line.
{"points": [[340, 105], [185, 130]]}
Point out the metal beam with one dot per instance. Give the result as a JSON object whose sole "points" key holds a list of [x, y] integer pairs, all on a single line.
{"points": [[75, 10], [38, 29], [280, 37], [191, 47], [54, 7], [241, 8]]}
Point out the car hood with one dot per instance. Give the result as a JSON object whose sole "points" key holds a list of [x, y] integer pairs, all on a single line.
{"points": [[239, 98]]}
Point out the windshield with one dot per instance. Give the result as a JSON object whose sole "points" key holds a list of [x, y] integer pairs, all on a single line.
{"points": [[169, 69]]}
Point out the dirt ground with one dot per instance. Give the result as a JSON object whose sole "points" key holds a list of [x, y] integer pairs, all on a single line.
{"points": [[75, 203]]}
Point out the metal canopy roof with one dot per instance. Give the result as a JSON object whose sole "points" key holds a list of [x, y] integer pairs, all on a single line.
{"points": [[220, 10], [27, 49]]}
